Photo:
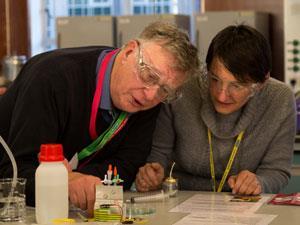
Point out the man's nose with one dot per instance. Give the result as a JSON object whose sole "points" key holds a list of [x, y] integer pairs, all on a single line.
{"points": [[151, 92]]}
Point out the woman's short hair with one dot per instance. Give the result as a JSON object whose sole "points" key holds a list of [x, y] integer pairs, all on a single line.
{"points": [[243, 51]]}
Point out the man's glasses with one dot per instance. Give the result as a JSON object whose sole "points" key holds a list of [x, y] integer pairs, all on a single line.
{"points": [[233, 88], [151, 78]]}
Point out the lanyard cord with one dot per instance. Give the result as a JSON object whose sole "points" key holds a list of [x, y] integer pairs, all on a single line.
{"points": [[98, 93], [114, 127], [106, 136], [229, 164]]}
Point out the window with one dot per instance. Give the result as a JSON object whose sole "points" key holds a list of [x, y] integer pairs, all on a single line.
{"points": [[89, 7], [43, 26], [151, 6]]}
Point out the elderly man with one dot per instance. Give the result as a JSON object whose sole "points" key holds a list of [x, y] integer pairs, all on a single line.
{"points": [[100, 103]]}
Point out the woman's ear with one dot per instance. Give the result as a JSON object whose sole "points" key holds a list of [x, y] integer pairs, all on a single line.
{"points": [[264, 83], [267, 76]]}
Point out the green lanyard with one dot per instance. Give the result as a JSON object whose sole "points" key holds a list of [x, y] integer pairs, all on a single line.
{"points": [[229, 164], [115, 126], [106, 136]]}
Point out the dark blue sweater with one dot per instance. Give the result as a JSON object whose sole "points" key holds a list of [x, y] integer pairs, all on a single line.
{"points": [[50, 102]]}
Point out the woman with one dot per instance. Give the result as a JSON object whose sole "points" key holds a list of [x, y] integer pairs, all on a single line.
{"points": [[233, 130]]}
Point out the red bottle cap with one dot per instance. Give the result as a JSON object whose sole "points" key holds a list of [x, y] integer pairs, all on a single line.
{"points": [[51, 153]]}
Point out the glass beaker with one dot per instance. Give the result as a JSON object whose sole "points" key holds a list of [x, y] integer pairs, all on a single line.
{"points": [[12, 200]]}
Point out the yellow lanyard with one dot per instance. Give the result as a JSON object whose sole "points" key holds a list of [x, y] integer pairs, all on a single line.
{"points": [[229, 164]]}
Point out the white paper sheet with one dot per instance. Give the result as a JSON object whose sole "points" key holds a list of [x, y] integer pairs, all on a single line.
{"points": [[225, 219], [217, 203]]}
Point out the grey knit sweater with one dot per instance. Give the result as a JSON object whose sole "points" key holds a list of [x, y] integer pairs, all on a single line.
{"points": [[268, 119]]}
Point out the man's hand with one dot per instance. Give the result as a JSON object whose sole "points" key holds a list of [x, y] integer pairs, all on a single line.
{"points": [[245, 183], [67, 165], [2, 90], [149, 177], [82, 190]]}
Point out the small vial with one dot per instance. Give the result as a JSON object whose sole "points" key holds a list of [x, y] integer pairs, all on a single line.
{"points": [[170, 186]]}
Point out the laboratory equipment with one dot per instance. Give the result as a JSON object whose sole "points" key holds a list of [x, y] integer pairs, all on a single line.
{"points": [[150, 197], [12, 201], [292, 44], [170, 184], [109, 203], [12, 66], [79, 31], [51, 185]]}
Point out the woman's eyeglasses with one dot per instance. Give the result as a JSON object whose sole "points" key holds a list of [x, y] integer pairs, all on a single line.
{"points": [[233, 88]]}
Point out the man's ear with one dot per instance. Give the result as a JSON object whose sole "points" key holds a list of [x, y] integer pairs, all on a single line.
{"points": [[129, 49]]}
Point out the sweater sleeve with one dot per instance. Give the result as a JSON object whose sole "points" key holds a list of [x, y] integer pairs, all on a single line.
{"points": [[163, 138], [274, 170], [34, 120]]}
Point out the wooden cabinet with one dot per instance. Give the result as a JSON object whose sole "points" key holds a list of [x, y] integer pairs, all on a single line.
{"points": [[14, 28]]}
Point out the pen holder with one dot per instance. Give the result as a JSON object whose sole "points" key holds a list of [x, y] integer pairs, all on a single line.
{"points": [[170, 186]]}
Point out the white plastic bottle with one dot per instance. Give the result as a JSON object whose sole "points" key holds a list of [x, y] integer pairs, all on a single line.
{"points": [[51, 185]]}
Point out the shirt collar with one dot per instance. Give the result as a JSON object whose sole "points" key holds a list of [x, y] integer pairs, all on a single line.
{"points": [[106, 102]]}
